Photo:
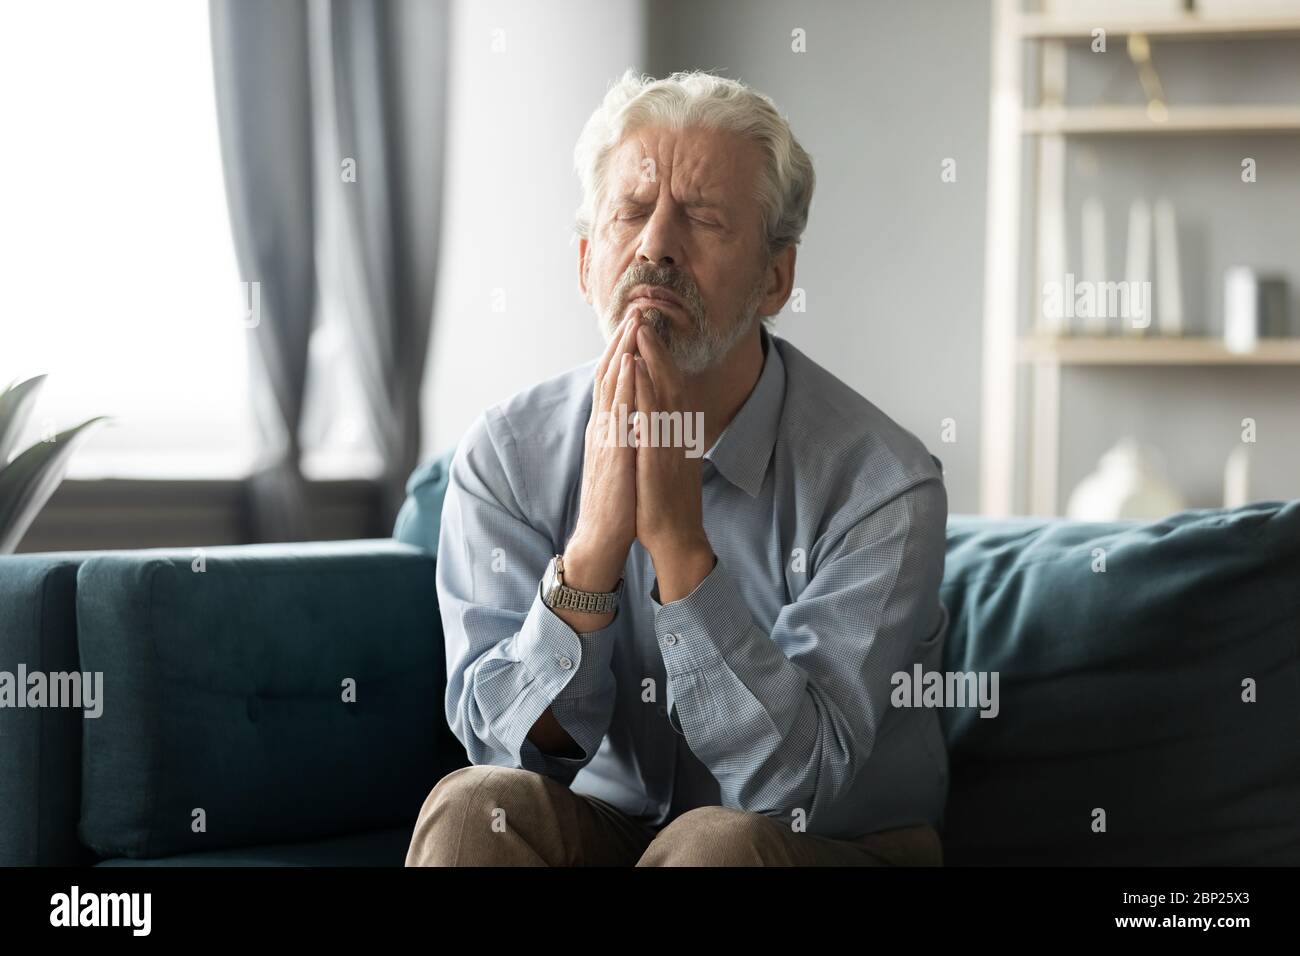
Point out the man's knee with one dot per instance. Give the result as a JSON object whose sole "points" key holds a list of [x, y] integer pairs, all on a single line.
{"points": [[467, 809], [718, 836]]}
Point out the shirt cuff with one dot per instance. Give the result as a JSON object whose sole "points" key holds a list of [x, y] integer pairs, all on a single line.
{"points": [[566, 664], [571, 677], [695, 632]]}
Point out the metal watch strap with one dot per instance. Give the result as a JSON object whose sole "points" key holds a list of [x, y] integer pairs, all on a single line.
{"points": [[590, 602]]}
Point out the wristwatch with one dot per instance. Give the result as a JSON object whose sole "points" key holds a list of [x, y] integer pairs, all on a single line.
{"points": [[558, 595]]}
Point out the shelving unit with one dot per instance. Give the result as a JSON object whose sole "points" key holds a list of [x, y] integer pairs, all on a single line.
{"points": [[1081, 350], [1190, 26], [1050, 123], [1187, 119]]}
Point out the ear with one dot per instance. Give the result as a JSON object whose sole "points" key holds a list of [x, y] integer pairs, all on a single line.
{"points": [[584, 268], [780, 282]]}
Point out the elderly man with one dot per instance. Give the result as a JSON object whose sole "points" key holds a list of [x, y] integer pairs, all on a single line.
{"points": [[658, 657]]}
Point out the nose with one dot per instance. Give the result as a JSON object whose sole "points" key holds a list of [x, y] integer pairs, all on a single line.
{"points": [[660, 243]]}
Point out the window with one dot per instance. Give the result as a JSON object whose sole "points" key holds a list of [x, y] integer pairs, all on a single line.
{"points": [[119, 271], [117, 266]]}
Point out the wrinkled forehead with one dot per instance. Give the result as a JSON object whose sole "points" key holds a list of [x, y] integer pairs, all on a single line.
{"points": [[697, 163]]}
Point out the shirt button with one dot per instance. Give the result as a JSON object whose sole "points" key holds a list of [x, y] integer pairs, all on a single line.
{"points": [[565, 663], [663, 711], [670, 639]]}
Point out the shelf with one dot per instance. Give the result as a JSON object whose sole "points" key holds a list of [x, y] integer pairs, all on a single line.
{"points": [[1028, 97], [1186, 119], [1191, 27], [1083, 350]]}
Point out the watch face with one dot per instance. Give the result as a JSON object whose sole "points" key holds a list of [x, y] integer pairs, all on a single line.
{"points": [[549, 584]]}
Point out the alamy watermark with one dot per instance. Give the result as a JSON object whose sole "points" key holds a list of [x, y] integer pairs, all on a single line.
{"points": [[24, 688], [130, 910], [921, 688], [1085, 299], [657, 429]]}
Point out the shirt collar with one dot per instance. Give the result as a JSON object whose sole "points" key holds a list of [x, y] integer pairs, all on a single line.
{"points": [[744, 448]]}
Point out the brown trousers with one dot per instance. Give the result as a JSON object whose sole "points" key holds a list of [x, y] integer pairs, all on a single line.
{"points": [[502, 816]]}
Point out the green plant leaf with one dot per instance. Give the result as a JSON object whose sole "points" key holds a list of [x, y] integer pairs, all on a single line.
{"points": [[16, 404], [27, 482]]}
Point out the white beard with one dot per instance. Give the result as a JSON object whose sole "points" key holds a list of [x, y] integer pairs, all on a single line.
{"points": [[706, 345]]}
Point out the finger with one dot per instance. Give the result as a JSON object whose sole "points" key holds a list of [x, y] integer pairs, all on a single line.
{"points": [[625, 346], [647, 400], [610, 347], [625, 390], [646, 404], [626, 336], [664, 374]]}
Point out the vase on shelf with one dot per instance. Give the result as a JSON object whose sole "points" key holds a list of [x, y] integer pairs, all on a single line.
{"points": [[1255, 306], [1128, 484]]}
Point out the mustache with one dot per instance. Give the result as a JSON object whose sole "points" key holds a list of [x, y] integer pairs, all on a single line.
{"points": [[667, 277]]}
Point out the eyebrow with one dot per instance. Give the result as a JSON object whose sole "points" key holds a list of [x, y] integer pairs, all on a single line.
{"points": [[630, 200]]}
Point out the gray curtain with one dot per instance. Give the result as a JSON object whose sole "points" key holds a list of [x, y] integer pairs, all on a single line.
{"points": [[332, 116], [382, 66], [263, 91]]}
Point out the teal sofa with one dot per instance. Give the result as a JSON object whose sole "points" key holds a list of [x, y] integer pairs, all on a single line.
{"points": [[283, 704]]}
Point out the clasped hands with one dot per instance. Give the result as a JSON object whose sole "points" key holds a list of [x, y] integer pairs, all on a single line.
{"points": [[638, 490]]}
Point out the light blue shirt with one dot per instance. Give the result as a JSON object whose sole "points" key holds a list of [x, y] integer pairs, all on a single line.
{"points": [[768, 687]]}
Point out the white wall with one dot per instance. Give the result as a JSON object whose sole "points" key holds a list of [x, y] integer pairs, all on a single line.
{"points": [[511, 195], [893, 257]]}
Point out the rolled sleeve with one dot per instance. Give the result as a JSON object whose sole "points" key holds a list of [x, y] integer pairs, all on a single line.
{"points": [[694, 631], [572, 673], [568, 665], [509, 657]]}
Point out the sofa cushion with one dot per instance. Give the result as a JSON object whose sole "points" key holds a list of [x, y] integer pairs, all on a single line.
{"points": [[418, 524], [1122, 689], [372, 848], [420, 519], [225, 693], [40, 748]]}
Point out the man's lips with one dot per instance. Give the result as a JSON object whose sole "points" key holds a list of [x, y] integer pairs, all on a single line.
{"points": [[659, 298]]}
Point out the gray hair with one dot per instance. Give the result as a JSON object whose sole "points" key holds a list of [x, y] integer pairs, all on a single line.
{"points": [[690, 99]]}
